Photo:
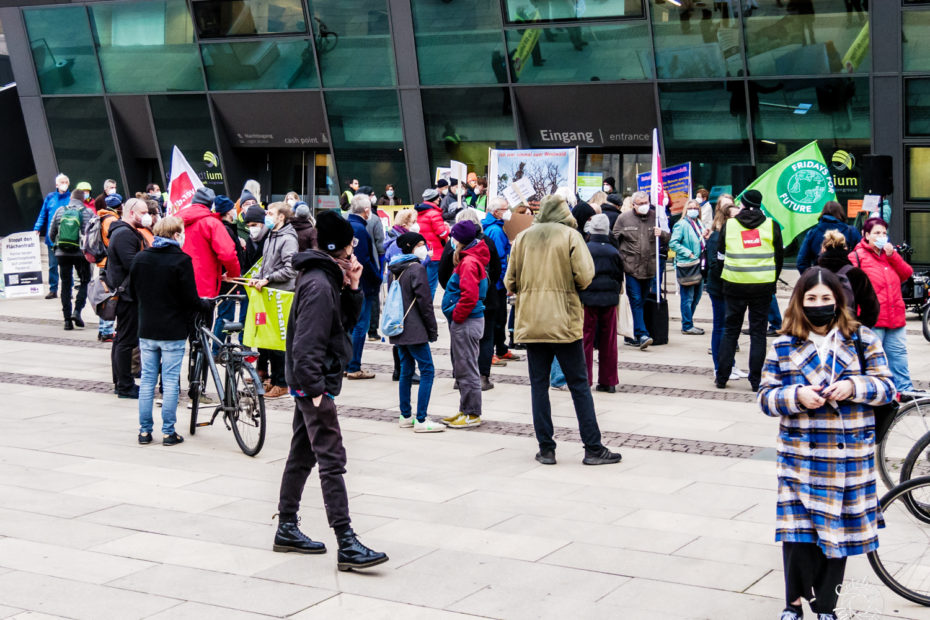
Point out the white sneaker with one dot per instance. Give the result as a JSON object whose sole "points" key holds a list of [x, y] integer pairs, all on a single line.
{"points": [[159, 402], [405, 422], [427, 426], [736, 373]]}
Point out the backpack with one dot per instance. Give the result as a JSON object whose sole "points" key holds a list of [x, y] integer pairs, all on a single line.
{"points": [[93, 244], [393, 315], [70, 229], [847, 287]]}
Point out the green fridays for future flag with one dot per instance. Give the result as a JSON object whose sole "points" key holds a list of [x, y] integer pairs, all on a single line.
{"points": [[795, 190]]}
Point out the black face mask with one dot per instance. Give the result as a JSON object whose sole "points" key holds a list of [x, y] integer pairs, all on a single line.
{"points": [[820, 315]]}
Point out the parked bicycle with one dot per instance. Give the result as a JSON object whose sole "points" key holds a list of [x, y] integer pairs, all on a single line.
{"points": [[326, 39], [895, 438], [242, 398]]}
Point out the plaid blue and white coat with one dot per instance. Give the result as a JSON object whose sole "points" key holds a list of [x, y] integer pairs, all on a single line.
{"points": [[826, 456]]}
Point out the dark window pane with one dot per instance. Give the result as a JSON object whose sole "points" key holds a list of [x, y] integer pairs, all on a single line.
{"points": [[146, 46], [918, 235], [463, 123], [458, 42], [184, 121], [82, 140], [260, 65], [918, 107], [63, 50], [367, 138], [705, 123], [229, 18], [796, 39], [696, 43], [353, 39], [581, 54], [918, 173], [545, 10], [916, 40]]}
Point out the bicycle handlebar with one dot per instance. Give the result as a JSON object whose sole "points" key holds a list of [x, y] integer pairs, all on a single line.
{"points": [[219, 298]]}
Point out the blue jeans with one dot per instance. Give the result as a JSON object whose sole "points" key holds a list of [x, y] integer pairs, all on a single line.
{"points": [[106, 328], [419, 355], [432, 276], [556, 376], [774, 314], [690, 298], [720, 316], [894, 341], [52, 270], [636, 290], [360, 333], [166, 355]]}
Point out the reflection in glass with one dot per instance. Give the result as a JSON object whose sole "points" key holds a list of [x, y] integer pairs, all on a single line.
{"points": [[63, 50], [915, 43], [696, 42], [230, 18], [81, 139], [618, 52], [463, 123], [918, 173], [367, 138], [184, 121], [917, 106], [524, 10], [458, 43], [260, 65], [918, 235], [353, 42], [797, 39], [146, 46], [705, 123]]}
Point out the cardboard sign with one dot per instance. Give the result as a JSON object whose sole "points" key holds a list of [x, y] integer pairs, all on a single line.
{"points": [[517, 224], [519, 193], [871, 203], [458, 170], [21, 265]]}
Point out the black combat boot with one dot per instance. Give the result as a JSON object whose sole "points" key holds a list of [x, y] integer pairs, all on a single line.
{"points": [[353, 554], [289, 538]]}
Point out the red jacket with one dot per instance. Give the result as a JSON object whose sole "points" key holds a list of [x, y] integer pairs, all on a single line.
{"points": [[886, 273], [210, 247], [432, 227]]}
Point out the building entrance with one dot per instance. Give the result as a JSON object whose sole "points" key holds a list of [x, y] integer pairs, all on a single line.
{"points": [[279, 171]]}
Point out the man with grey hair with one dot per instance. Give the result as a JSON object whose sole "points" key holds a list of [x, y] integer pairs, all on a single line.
{"points": [[53, 201], [359, 212], [498, 214]]}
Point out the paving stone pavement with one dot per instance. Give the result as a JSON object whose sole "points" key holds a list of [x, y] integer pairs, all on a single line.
{"points": [[92, 525]]}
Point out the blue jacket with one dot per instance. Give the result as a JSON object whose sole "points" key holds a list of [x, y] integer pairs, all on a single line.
{"points": [[371, 269], [494, 230], [50, 205], [813, 240]]}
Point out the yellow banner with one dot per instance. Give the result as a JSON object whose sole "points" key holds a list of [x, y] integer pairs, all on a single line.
{"points": [[528, 42], [266, 319], [857, 51]]}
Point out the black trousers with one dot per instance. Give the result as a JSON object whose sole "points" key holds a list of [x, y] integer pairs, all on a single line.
{"points": [[812, 575], [317, 439], [758, 324], [65, 266], [274, 359], [486, 344], [500, 322], [127, 339]]}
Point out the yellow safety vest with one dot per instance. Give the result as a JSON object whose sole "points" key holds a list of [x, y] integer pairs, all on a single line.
{"points": [[750, 253]]}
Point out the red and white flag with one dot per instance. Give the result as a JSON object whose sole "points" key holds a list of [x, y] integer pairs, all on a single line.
{"points": [[657, 195], [183, 183]]}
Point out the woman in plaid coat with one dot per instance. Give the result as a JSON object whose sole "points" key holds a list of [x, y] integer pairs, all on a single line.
{"points": [[813, 381]]}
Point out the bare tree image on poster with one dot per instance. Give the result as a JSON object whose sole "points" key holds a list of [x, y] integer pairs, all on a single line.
{"points": [[545, 169]]}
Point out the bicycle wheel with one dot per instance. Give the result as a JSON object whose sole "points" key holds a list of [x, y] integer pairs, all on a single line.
{"points": [[926, 323], [248, 419], [902, 561], [910, 424], [917, 465], [196, 388]]}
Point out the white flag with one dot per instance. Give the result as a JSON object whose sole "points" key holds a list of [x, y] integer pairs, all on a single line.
{"points": [[657, 195]]}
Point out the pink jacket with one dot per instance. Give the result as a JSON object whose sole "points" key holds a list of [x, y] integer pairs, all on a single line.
{"points": [[886, 273], [210, 247]]}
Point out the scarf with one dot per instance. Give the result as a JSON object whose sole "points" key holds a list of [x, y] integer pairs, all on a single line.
{"points": [[344, 265]]}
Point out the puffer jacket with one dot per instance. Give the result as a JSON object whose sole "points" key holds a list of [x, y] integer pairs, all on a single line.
{"points": [[468, 286], [278, 258], [549, 263], [432, 227], [634, 233], [605, 288], [886, 273], [210, 248], [813, 240]]}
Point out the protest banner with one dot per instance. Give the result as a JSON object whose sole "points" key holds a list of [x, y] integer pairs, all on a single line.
{"points": [[266, 318], [21, 261], [545, 170], [676, 181]]}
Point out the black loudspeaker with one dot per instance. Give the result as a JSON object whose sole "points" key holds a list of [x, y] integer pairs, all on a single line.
{"points": [[743, 175], [877, 174]]}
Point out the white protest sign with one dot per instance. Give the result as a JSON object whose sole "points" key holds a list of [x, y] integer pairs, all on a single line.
{"points": [[22, 265], [458, 170], [519, 193], [871, 202]]}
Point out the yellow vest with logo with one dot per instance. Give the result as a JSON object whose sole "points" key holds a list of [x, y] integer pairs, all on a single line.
{"points": [[750, 253]]}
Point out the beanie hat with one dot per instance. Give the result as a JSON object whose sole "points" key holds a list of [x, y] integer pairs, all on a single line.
{"points": [[302, 211], [430, 194], [598, 225], [246, 196], [465, 232], [333, 232], [615, 199], [223, 204], [453, 181], [611, 181], [204, 196], [407, 241], [751, 199], [253, 214], [113, 201], [442, 183], [365, 190]]}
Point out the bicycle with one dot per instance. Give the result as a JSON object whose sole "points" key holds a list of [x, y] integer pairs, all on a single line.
{"points": [[326, 39], [243, 398], [909, 424]]}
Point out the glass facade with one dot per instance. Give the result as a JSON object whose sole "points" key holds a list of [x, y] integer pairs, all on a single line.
{"points": [[184, 121], [466, 31], [915, 40], [692, 43], [575, 10], [63, 50], [225, 18], [82, 139], [275, 64], [353, 40]]}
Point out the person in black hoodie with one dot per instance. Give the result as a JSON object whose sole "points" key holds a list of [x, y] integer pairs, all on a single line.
{"points": [[600, 300], [834, 256], [327, 303], [611, 208]]}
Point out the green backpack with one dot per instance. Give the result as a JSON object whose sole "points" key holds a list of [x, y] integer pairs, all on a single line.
{"points": [[70, 228]]}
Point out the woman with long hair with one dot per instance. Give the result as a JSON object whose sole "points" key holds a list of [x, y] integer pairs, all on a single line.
{"points": [[822, 378]]}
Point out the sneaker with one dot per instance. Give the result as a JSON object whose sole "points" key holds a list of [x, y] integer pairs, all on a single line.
{"points": [[451, 418], [465, 421], [78, 321], [511, 357], [145, 438], [790, 614], [912, 394], [826, 616], [159, 402], [694, 331], [546, 457], [405, 422], [496, 361], [373, 338], [52, 295], [360, 374], [630, 342], [172, 440], [736, 373], [486, 384], [276, 391], [773, 333], [601, 457], [644, 342], [427, 426], [204, 401], [559, 388]]}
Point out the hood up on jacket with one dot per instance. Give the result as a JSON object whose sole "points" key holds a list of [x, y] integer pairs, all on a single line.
{"points": [[478, 249], [400, 263], [194, 213], [308, 260], [751, 218], [425, 206], [554, 210]]}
